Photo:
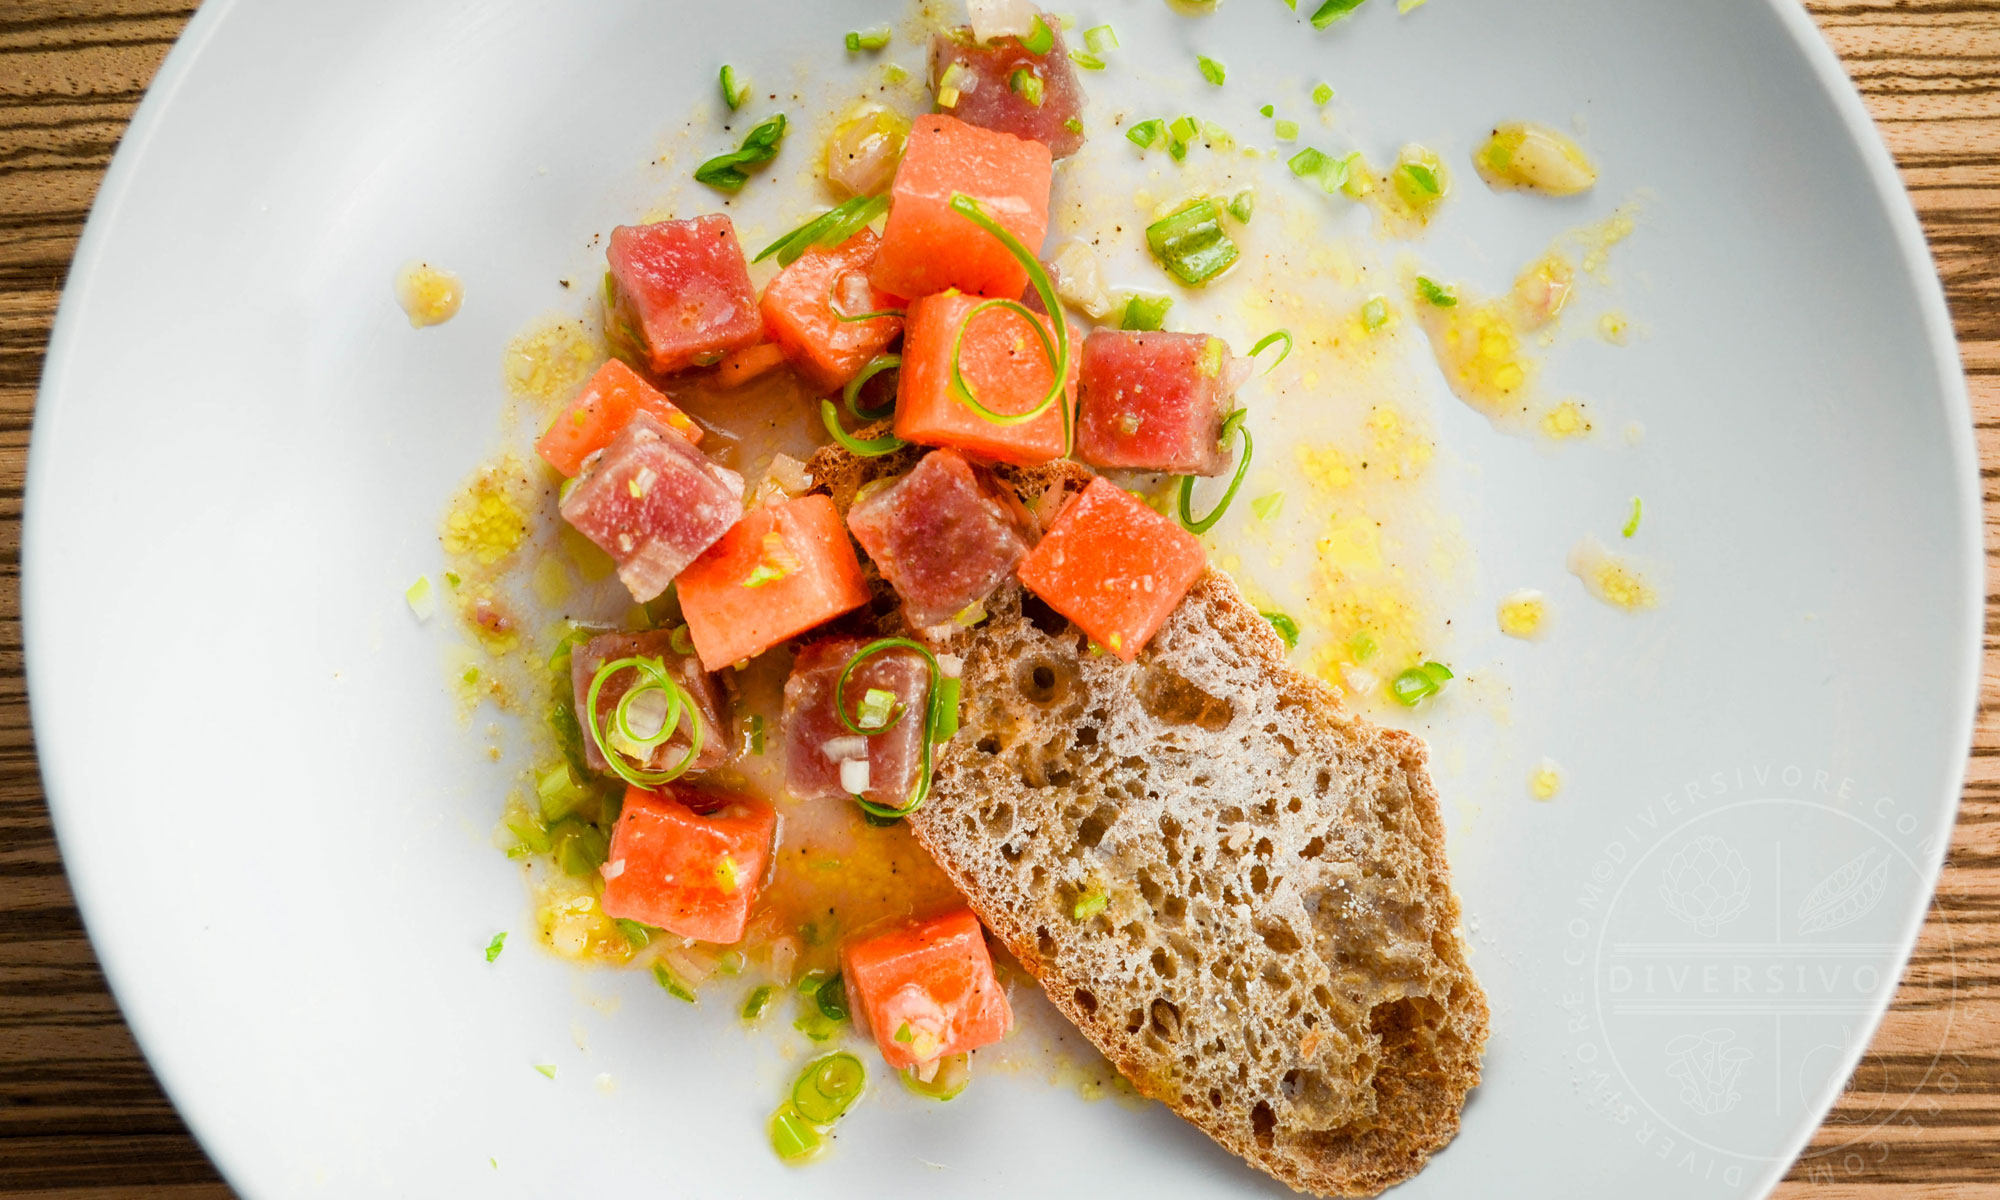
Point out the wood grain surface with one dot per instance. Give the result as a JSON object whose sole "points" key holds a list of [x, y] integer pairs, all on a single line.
{"points": [[80, 1113]]}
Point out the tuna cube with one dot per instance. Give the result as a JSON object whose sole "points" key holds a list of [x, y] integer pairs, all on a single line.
{"points": [[927, 246], [681, 292], [825, 760], [999, 85], [694, 876], [653, 502], [942, 536], [1155, 401], [799, 314], [684, 668]]}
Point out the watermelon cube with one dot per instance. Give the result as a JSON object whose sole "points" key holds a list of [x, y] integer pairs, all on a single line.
{"points": [[1114, 567], [818, 747], [926, 990], [927, 246], [600, 412], [701, 687], [681, 292], [1007, 369], [1155, 401], [693, 876], [943, 536], [782, 570], [653, 503], [799, 314], [999, 85]]}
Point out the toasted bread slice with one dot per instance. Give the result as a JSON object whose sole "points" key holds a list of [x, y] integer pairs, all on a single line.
{"points": [[1276, 954]]}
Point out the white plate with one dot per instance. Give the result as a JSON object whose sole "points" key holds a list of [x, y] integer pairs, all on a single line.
{"points": [[278, 833]]}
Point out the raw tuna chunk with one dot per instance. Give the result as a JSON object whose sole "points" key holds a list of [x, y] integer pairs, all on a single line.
{"points": [[989, 97], [927, 246], [686, 671], [1115, 567], [1005, 366], [816, 743], [942, 536], [926, 990], [654, 503], [1155, 401], [690, 875], [682, 292], [799, 315]]}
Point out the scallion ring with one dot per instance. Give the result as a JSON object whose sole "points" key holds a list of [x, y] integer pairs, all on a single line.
{"points": [[888, 443], [939, 725], [1269, 340], [1058, 351], [1202, 525], [670, 718], [653, 673], [852, 392]]}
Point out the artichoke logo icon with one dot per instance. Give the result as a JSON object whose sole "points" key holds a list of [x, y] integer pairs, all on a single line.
{"points": [[1707, 1066], [1706, 884]]}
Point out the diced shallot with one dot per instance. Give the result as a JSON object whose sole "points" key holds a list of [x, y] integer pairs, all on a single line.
{"points": [[845, 749], [1001, 18], [854, 775]]}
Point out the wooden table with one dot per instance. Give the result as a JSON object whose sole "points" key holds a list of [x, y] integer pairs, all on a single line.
{"points": [[80, 1114]]}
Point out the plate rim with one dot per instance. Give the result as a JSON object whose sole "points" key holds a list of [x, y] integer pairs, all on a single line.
{"points": [[1830, 75]]}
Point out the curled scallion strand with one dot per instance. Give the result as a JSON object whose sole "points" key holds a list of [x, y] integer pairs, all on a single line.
{"points": [[1203, 524], [1056, 348], [940, 719], [888, 443], [653, 675], [852, 392]]}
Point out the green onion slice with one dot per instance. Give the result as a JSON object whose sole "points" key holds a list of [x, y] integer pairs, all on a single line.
{"points": [[1286, 627], [1421, 175], [940, 720], [653, 675], [1027, 85], [757, 1001], [1419, 682], [1632, 525], [1203, 524], [1435, 293], [828, 229], [793, 1137], [1039, 39], [494, 947], [726, 172], [1191, 244], [735, 88], [1056, 348], [1269, 340], [1333, 10], [867, 39], [1145, 312], [888, 443], [878, 707], [1322, 94], [1375, 313], [852, 392], [1211, 70], [1145, 133], [1242, 204], [828, 1087], [1100, 38]]}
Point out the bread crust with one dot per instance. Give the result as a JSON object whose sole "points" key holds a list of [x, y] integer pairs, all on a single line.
{"points": [[1282, 857]]}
